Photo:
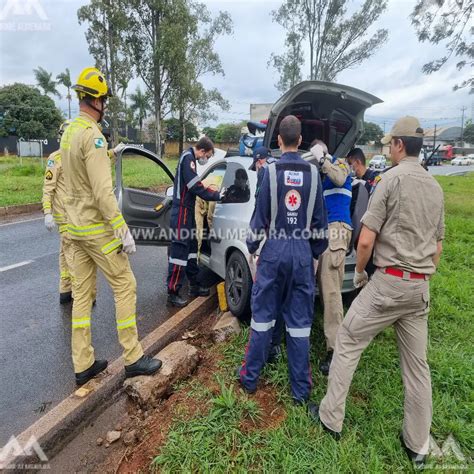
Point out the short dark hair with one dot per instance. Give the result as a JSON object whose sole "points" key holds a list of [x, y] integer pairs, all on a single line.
{"points": [[356, 154], [290, 130], [413, 145], [206, 144]]}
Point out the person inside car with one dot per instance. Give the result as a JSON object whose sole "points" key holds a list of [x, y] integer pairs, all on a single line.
{"points": [[240, 190]]}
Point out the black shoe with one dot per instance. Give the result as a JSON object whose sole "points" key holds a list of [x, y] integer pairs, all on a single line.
{"points": [[196, 290], [313, 412], [242, 386], [65, 298], [326, 363], [275, 354], [144, 366], [418, 460], [175, 300], [96, 368]]}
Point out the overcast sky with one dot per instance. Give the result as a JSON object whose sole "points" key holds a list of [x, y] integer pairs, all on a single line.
{"points": [[393, 73]]}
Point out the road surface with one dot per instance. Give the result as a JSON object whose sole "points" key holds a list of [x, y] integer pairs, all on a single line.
{"points": [[36, 371], [447, 169]]}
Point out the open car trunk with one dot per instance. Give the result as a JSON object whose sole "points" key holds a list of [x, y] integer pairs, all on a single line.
{"points": [[331, 112]]}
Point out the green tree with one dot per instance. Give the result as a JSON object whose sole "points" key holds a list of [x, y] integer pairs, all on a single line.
{"points": [[107, 24], [28, 113], [468, 135], [289, 64], [372, 133], [45, 81], [336, 41], [190, 99], [64, 78], [228, 132], [139, 105], [449, 22], [210, 132], [156, 40], [174, 130]]}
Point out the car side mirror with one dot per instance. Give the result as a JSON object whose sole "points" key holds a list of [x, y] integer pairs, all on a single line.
{"points": [[169, 191]]}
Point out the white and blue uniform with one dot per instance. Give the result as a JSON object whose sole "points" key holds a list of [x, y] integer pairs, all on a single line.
{"points": [[290, 212]]}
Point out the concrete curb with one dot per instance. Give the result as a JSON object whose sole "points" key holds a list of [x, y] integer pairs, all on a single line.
{"points": [[60, 425], [20, 209]]}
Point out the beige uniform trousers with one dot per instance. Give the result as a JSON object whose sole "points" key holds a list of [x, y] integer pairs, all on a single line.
{"points": [[330, 276], [66, 272], [385, 301], [203, 209], [87, 256]]}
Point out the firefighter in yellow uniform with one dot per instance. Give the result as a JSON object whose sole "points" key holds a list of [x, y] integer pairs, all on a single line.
{"points": [[54, 194], [99, 234]]}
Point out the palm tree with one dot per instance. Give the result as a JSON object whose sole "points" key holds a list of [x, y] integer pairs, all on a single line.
{"points": [[140, 106], [45, 81], [64, 78]]}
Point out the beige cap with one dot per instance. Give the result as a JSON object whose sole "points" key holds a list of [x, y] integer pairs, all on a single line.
{"points": [[404, 127]]}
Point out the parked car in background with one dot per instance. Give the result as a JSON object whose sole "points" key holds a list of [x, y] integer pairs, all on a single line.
{"points": [[378, 162], [328, 111], [462, 161]]}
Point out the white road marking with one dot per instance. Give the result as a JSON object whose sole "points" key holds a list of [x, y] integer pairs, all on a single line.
{"points": [[21, 222], [15, 265]]}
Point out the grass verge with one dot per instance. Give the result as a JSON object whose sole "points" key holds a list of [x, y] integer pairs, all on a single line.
{"points": [[23, 184], [239, 433]]}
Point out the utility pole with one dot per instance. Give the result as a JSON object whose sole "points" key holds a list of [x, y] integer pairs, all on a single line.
{"points": [[463, 109], [434, 137]]}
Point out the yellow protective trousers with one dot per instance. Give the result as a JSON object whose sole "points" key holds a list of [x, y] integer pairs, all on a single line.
{"points": [[105, 253]]}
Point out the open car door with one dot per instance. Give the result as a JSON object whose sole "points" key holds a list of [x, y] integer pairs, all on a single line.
{"points": [[141, 183]]}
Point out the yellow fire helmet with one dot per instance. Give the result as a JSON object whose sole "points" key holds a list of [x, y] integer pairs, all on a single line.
{"points": [[91, 82], [63, 126]]}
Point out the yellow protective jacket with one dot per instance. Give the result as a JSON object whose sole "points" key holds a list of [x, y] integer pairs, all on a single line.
{"points": [[54, 191], [91, 207]]}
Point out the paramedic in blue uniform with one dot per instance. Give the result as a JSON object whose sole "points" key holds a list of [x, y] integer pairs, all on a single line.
{"points": [[290, 212], [183, 252]]}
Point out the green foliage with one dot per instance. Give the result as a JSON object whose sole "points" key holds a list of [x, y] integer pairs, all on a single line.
{"points": [[468, 135], [173, 130], [224, 132], [27, 113], [105, 35], [449, 22], [45, 81], [372, 133], [64, 78], [335, 40]]}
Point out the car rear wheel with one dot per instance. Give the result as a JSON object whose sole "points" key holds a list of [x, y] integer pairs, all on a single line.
{"points": [[238, 285]]}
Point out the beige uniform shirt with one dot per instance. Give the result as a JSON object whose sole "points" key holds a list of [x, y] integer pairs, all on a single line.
{"points": [[337, 172], [54, 191], [91, 207], [406, 210]]}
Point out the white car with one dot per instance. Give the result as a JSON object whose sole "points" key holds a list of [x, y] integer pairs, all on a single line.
{"points": [[378, 162], [328, 111], [462, 161]]}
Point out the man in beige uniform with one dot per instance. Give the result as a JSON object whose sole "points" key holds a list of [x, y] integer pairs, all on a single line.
{"points": [[54, 193], [99, 233], [404, 225], [337, 192]]}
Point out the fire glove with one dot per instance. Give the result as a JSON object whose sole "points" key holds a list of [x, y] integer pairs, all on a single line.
{"points": [[49, 222], [360, 279], [128, 243]]}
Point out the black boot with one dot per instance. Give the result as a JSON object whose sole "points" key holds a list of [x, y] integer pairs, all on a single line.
{"points": [[275, 354], [418, 460], [144, 366], [313, 412], [65, 297], [196, 290], [326, 363], [175, 300], [96, 368]]}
